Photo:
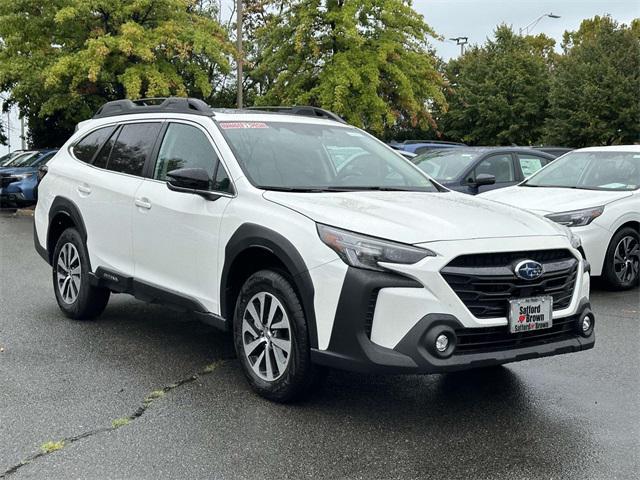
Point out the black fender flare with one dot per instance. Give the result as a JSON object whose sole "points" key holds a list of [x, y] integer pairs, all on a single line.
{"points": [[250, 235], [64, 206]]}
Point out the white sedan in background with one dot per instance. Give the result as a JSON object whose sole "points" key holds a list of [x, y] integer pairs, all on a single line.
{"points": [[596, 192]]}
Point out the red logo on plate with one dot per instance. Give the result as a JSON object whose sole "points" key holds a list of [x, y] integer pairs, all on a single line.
{"points": [[522, 318]]}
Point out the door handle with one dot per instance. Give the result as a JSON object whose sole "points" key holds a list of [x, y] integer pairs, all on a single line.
{"points": [[84, 189], [143, 203]]}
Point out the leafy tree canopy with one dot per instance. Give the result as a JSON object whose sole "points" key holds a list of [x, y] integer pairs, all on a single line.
{"points": [[595, 93], [366, 60], [498, 91], [61, 59]]}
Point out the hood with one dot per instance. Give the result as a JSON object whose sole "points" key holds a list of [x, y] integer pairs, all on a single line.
{"points": [[416, 217], [553, 200]]}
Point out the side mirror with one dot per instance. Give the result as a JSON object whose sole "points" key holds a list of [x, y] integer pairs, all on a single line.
{"points": [[191, 180], [42, 171], [484, 179]]}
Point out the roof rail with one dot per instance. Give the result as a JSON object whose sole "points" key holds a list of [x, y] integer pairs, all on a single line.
{"points": [[154, 105], [302, 110]]}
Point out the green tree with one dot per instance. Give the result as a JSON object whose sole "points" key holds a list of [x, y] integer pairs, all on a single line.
{"points": [[595, 93], [498, 92], [366, 60], [61, 59]]}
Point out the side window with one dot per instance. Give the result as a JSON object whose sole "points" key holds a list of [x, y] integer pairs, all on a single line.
{"points": [[132, 147], [86, 148], [500, 166], [185, 146], [530, 164]]}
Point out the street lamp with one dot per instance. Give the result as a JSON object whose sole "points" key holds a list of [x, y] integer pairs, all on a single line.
{"points": [[462, 41], [535, 22]]}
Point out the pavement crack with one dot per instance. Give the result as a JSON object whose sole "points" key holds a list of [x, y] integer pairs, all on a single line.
{"points": [[115, 424]]}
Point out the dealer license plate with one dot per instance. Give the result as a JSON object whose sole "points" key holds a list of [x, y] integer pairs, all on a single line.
{"points": [[529, 314]]}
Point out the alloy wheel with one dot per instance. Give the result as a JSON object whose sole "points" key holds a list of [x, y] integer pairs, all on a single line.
{"points": [[266, 336], [626, 259], [68, 273]]}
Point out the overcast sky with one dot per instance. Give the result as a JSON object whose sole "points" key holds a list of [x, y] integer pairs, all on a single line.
{"points": [[477, 19]]}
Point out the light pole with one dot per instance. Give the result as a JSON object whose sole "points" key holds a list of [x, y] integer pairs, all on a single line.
{"points": [[239, 48], [462, 41], [535, 22]]}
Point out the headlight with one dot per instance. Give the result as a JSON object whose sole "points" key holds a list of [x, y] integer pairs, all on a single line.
{"points": [[576, 218], [362, 251]]}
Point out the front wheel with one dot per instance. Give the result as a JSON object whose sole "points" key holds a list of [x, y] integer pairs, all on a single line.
{"points": [[76, 297], [271, 338], [622, 262]]}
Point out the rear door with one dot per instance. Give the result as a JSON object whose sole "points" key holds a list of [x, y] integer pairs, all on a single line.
{"points": [[105, 192], [176, 234]]}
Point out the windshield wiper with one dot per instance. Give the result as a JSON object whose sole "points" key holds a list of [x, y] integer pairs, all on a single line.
{"points": [[548, 186], [376, 189], [292, 189]]}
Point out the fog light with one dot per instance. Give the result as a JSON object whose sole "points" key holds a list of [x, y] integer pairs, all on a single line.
{"points": [[586, 323], [442, 343]]}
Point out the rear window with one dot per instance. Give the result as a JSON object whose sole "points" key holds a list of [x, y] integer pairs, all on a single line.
{"points": [[86, 148]]}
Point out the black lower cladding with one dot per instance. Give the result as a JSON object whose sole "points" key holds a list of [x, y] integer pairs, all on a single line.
{"points": [[146, 292], [350, 347]]}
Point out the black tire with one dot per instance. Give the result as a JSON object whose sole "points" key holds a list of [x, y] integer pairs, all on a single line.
{"points": [[616, 253], [300, 376], [76, 297]]}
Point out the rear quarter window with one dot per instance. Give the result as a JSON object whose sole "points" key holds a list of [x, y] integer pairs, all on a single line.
{"points": [[87, 147]]}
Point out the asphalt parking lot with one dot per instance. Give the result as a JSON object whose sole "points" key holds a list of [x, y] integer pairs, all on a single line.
{"points": [[145, 392]]}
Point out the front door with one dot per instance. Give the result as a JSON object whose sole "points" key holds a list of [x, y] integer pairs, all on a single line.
{"points": [[175, 234]]}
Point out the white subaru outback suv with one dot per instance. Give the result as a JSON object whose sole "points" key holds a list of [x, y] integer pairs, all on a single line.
{"points": [[313, 242]]}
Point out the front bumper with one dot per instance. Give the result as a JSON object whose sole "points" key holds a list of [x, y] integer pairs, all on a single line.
{"points": [[351, 348], [595, 241], [385, 321]]}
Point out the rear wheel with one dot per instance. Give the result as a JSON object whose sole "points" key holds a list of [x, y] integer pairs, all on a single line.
{"points": [[271, 338], [622, 262], [76, 297]]}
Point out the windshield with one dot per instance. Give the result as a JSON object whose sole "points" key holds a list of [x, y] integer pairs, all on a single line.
{"points": [[23, 160], [312, 157], [9, 159], [591, 171], [445, 165]]}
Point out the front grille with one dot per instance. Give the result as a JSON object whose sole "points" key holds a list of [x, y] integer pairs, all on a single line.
{"points": [[486, 282], [491, 339]]}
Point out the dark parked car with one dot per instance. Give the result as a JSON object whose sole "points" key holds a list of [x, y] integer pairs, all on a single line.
{"points": [[475, 170], [18, 181], [423, 146]]}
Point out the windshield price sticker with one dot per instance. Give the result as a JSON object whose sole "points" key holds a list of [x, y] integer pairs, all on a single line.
{"points": [[232, 125]]}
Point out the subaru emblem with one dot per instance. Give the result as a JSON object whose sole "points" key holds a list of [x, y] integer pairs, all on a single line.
{"points": [[528, 270]]}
